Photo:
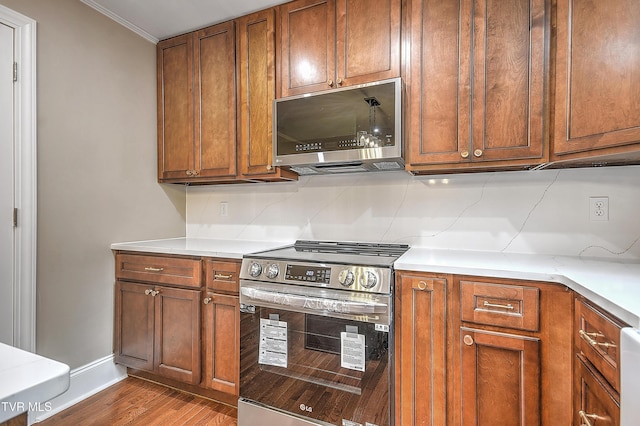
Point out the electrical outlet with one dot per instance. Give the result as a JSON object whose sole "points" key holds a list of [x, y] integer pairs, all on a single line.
{"points": [[224, 208], [599, 208]]}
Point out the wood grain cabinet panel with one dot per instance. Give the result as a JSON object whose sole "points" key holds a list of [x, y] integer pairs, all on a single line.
{"points": [[134, 325], [502, 305], [422, 370], [197, 105], [157, 329], [177, 334], [595, 400], [597, 337], [500, 378], [327, 44], [179, 271], [513, 363], [222, 343], [176, 137], [215, 101], [476, 84], [597, 108], [256, 71]]}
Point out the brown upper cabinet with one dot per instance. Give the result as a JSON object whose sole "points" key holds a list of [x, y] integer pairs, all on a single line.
{"points": [[196, 105], [597, 108], [476, 84], [256, 52], [210, 129], [325, 44]]}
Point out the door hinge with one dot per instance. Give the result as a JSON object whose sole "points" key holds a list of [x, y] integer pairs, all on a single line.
{"points": [[15, 217], [15, 71]]}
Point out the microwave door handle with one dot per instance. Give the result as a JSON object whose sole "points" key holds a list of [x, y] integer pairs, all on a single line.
{"points": [[309, 303]]}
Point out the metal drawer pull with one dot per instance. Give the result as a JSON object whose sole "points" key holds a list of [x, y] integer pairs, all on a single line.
{"points": [[150, 292], [494, 305], [593, 342], [222, 276], [586, 418], [152, 269], [207, 300]]}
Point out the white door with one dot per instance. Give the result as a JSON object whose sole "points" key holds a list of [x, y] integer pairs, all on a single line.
{"points": [[6, 185]]}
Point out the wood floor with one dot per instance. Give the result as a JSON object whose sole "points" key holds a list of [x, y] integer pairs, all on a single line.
{"points": [[135, 401]]}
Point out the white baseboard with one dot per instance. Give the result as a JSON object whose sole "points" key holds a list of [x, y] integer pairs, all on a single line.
{"points": [[85, 381]]}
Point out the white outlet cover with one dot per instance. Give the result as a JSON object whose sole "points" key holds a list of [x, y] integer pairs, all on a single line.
{"points": [[599, 208]]}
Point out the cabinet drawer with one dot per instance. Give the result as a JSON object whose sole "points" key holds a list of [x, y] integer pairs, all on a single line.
{"points": [[222, 276], [598, 338], [501, 305], [596, 402], [159, 269]]}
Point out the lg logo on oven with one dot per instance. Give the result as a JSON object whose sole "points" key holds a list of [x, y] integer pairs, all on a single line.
{"points": [[306, 408]]}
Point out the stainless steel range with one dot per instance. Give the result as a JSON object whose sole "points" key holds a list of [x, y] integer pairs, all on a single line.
{"points": [[316, 335]]}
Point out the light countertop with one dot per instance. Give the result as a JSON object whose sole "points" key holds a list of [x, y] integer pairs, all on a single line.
{"points": [[28, 381], [231, 249], [612, 284]]}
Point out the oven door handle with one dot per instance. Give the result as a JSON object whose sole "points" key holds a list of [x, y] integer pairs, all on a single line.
{"points": [[309, 303]]}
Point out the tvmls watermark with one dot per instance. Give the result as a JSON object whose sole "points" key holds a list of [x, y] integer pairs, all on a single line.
{"points": [[21, 407]]}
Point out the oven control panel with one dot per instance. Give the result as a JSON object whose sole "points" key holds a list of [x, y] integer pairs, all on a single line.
{"points": [[344, 277]]}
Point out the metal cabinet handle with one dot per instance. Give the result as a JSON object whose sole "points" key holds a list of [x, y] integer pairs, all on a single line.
{"points": [[152, 269], [330, 83], [468, 340], [495, 305], [589, 337], [464, 154], [477, 153], [339, 81], [586, 418], [269, 167], [207, 300], [151, 292], [222, 276], [148, 291]]}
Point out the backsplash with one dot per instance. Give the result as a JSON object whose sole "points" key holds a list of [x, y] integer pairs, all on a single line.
{"points": [[542, 212]]}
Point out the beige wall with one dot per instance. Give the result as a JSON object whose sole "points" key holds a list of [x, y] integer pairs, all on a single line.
{"points": [[96, 170]]}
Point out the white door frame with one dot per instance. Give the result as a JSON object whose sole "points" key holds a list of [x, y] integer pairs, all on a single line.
{"points": [[24, 331]]}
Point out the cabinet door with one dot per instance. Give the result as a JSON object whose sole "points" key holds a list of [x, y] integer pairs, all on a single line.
{"points": [[222, 343], [134, 325], [500, 379], [509, 65], [215, 106], [439, 101], [256, 91], [175, 107], [594, 398], [421, 316], [177, 333], [307, 46], [597, 77], [367, 40], [476, 86]]}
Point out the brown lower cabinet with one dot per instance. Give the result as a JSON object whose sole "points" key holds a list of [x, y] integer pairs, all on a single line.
{"points": [[159, 330], [482, 351], [185, 332]]}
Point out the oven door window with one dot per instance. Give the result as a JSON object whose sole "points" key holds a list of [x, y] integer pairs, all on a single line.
{"points": [[325, 368]]}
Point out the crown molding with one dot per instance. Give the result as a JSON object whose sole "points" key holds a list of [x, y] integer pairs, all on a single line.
{"points": [[120, 20]]}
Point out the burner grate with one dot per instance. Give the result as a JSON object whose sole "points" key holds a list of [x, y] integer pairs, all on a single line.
{"points": [[353, 248]]}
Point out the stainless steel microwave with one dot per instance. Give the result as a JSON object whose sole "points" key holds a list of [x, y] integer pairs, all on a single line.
{"points": [[351, 129]]}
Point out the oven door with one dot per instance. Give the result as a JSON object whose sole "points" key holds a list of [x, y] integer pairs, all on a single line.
{"points": [[320, 355]]}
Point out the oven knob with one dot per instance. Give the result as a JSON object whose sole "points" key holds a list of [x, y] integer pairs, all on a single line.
{"points": [[346, 278], [272, 271], [255, 269], [370, 280]]}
